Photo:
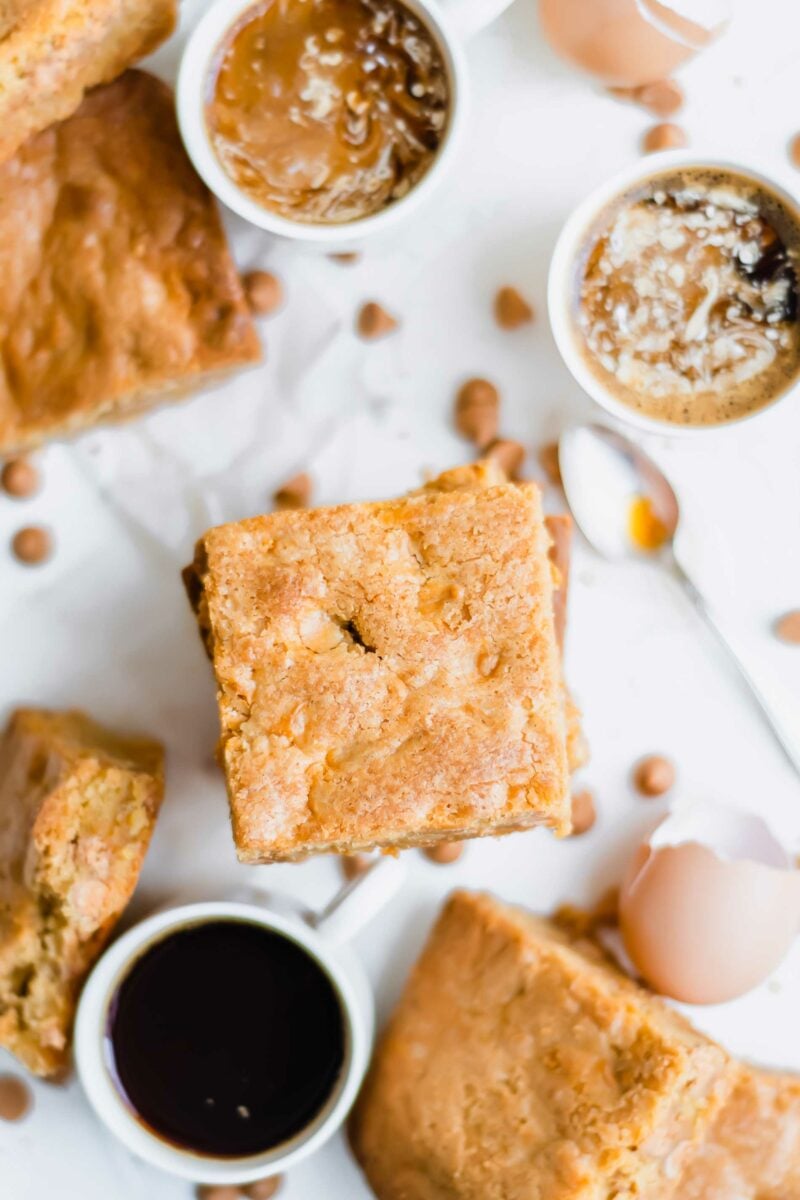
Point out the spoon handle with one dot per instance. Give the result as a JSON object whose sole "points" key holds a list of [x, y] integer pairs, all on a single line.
{"points": [[775, 703]]}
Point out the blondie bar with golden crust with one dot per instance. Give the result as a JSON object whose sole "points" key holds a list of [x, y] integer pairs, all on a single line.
{"points": [[77, 808], [52, 51], [520, 1064], [387, 673], [118, 287]]}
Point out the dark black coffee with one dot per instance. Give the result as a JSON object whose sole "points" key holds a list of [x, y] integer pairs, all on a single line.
{"points": [[226, 1038]]}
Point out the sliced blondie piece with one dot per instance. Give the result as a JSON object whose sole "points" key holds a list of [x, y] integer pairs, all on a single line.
{"points": [[388, 674], [119, 291], [77, 808], [522, 1064]]}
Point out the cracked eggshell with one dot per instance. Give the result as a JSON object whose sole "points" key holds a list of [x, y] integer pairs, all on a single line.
{"points": [[710, 904]]}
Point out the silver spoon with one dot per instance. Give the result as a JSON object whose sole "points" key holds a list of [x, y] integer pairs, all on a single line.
{"points": [[603, 474]]}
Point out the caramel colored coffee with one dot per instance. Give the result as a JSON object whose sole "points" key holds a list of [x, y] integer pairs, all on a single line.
{"points": [[688, 298], [326, 111]]}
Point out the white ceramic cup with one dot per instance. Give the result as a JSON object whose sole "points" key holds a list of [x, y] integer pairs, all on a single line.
{"points": [[449, 25], [569, 256], [322, 935]]}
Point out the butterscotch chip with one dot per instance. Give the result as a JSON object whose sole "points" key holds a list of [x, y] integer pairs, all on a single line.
{"points": [[654, 775], [477, 411], [511, 309], [665, 136], [508, 455], [348, 258], [584, 813], [354, 865], [19, 478], [16, 1099], [263, 291], [295, 493], [218, 1191], [263, 1189], [663, 98], [32, 545], [444, 853], [549, 462], [374, 321], [787, 628]]}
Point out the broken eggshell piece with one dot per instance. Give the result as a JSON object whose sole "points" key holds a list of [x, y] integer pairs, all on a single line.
{"points": [[710, 904]]}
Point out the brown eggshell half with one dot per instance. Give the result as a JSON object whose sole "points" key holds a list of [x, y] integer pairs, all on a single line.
{"points": [[703, 929]]}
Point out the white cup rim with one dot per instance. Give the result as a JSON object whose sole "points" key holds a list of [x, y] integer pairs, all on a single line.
{"points": [[193, 74], [106, 1099], [561, 280]]}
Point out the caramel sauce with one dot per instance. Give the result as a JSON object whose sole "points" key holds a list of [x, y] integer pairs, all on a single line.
{"points": [[327, 111]]}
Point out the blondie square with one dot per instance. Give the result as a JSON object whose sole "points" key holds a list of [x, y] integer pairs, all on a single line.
{"points": [[520, 1064], [51, 51], [77, 808], [119, 291], [388, 673]]}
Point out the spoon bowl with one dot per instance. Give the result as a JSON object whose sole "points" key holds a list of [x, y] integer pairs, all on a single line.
{"points": [[604, 476]]}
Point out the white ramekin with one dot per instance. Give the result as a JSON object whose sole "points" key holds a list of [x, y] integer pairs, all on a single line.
{"points": [[196, 72], [567, 262]]}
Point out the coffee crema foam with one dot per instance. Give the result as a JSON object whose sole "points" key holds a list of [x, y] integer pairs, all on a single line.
{"points": [[688, 297], [327, 111]]}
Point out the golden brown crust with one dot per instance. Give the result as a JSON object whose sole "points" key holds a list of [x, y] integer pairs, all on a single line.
{"points": [[118, 287], [77, 807], [387, 673], [52, 51], [521, 1063]]}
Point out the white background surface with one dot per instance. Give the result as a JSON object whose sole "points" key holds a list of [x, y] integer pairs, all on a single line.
{"points": [[106, 625]]}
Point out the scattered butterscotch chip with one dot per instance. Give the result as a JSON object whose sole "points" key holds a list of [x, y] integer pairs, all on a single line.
{"points": [[264, 292], [665, 136], [347, 258], [663, 97], [444, 853], [32, 545], [19, 478], [654, 775], [263, 1189], [374, 321], [787, 627], [295, 493], [511, 309], [794, 149], [508, 455], [548, 461], [354, 865], [16, 1098], [217, 1191], [477, 411], [584, 813]]}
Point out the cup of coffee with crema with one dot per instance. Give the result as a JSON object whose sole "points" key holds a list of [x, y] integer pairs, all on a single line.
{"points": [[674, 293], [225, 1040], [326, 121]]}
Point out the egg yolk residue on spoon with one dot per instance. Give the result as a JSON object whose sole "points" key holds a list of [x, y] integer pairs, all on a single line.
{"points": [[645, 528]]}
